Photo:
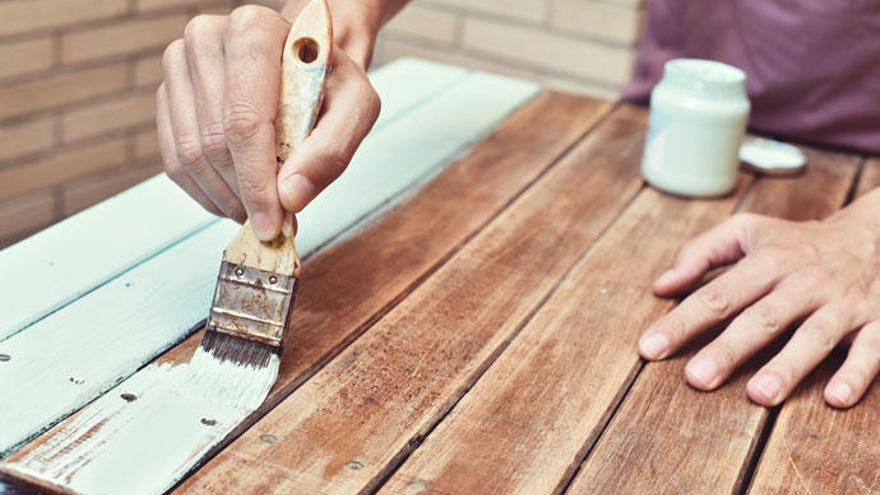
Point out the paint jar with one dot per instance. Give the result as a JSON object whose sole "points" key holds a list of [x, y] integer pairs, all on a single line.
{"points": [[699, 113]]}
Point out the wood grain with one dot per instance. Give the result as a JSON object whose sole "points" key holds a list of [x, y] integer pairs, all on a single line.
{"points": [[347, 286], [814, 448], [169, 294], [344, 429], [669, 438], [524, 426]]}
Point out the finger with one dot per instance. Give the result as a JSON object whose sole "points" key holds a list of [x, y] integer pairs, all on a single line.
{"points": [[710, 305], [721, 245], [809, 345], [350, 109], [185, 126], [169, 155], [859, 369], [751, 331], [203, 38], [253, 41]]}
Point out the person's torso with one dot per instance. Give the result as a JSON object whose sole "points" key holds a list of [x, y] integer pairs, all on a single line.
{"points": [[813, 65]]}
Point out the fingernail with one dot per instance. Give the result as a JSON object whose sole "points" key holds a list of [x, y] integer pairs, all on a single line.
{"points": [[654, 346], [703, 370], [297, 190], [769, 386], [262, 224], [842, 392]]}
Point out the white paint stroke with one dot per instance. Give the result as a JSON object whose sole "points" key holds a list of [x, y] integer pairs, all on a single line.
{"points": [[74, 355], [62, 263], [107, 335], [143, 436]]}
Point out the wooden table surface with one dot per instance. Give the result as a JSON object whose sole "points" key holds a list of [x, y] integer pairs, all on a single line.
{"points": [[480, 337]]}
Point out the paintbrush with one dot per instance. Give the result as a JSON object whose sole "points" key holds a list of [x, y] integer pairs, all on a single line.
{"points": [[257, 283]]}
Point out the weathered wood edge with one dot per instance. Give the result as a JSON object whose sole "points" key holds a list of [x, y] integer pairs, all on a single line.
{"points": [[807, 426], [599, 366], [187, 347], [665, 379], [464, 273], [164, 216]]}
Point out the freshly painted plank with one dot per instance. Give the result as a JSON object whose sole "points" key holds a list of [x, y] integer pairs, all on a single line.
{"points": [[68, 260], [523, 426], [347, 426], [389, 161], [401, 248], [60, 264], [816, 449], [663, 425], [70, 357]]}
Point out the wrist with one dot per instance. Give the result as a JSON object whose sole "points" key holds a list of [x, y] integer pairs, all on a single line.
{"points": [[866, 211]]}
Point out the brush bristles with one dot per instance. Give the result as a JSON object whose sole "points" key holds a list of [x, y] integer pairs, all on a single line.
{"points": [[238, 350]]}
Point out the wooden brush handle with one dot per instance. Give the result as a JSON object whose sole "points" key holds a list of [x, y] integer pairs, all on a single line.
{"points": [[304, 66]]}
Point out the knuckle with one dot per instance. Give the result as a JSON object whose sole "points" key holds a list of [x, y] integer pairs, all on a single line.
{"points": [[253, 191], [765, 320], [820, 336], [673, 326], [243, 18], [214, 143], [172, 54], [196, 29], [190, 153], [715, 301], [174, 171], [724, 353], [241, 124]]}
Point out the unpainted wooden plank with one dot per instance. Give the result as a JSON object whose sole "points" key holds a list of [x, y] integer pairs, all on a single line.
{"points": [[346, 287], [64, 262], [668, 437], [814, 448], [391, 160], [350, 424], [523, 426]]}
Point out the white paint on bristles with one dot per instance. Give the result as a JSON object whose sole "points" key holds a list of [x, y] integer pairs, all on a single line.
{"points": [[74, 355], [145, 445]]}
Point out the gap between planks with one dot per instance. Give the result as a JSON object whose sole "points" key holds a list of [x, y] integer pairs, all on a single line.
{"points": [[184, 279], [487, 192], [704, 418], [429, 368], [814, 447]]}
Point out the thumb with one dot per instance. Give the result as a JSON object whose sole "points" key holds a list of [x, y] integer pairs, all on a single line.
{"points": [[349, 111]]}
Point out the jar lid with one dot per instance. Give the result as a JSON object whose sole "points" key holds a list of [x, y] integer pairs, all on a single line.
{"points": [[771, 157]]}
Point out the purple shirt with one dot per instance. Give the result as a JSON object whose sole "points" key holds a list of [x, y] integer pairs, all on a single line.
{"points": [[813, 65]]}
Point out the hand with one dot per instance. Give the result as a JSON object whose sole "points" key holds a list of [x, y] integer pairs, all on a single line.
{"points": [[215, 113], [824, 274]]}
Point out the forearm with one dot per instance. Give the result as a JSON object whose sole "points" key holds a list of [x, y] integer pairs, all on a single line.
{"points": [[356, 23]]}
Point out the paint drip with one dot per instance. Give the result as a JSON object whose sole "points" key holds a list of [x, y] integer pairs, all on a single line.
{"points": [[146, 434]]}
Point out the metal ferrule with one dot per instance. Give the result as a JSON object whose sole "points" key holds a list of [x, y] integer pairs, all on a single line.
{"points": [[251, 303]]}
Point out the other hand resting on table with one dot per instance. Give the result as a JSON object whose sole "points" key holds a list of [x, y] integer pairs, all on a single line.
{"points": [[825, 274]]}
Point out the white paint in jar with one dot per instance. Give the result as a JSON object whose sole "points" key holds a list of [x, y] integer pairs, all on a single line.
{"points": [[699, 113]]}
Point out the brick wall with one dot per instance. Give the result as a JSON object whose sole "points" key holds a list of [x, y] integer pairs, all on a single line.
{"points": [[585, 46], [78, 77], [77, 84]]}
